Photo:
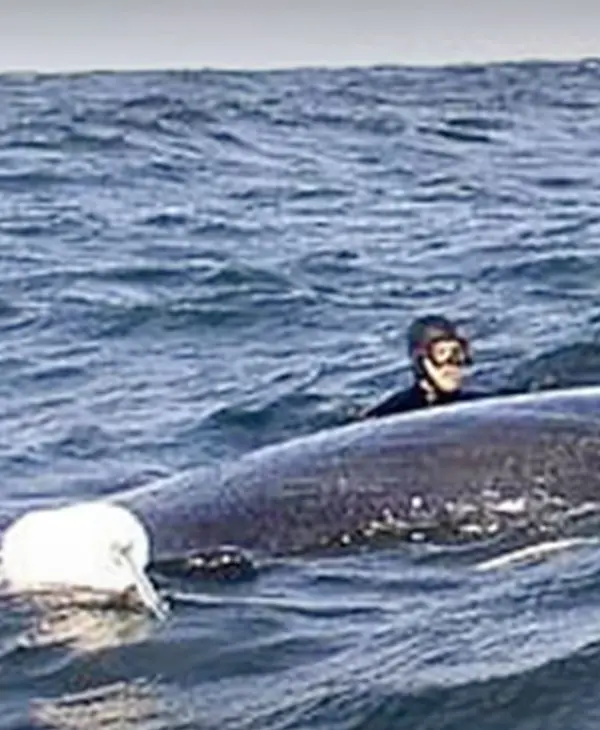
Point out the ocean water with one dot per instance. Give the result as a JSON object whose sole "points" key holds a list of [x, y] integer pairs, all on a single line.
{"points": [[196, 264]]}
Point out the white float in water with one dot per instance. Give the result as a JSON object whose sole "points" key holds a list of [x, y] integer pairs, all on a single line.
{"points": [[95, 546]]}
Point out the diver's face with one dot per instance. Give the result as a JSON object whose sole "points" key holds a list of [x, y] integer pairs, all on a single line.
{"points": [[444, 364]]}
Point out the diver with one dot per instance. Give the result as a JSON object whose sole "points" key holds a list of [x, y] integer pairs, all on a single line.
{"points": [[438, 355]]}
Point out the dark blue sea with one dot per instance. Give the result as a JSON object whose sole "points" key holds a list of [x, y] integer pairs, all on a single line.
{"points": [[197, 264]]}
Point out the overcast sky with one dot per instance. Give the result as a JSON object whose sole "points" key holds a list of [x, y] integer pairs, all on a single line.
{"points": [[49, 35]]}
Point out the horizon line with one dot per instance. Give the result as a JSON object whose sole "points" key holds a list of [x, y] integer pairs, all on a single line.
{"points": [[90, 69]]}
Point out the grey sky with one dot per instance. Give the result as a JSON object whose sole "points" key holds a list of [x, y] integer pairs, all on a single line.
{"points": [[70, 35]]}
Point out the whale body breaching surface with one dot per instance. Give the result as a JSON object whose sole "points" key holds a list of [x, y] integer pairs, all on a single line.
{"points": [[528, 465], [95, 546]]}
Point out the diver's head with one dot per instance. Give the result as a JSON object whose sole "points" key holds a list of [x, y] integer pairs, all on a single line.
{"points": [[438, 353]]}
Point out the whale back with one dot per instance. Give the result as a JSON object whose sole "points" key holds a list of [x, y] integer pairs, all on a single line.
{"points": [[433, 467]]}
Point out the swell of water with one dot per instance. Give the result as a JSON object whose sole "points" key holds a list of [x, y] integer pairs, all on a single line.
{"points": [[195, 264]]}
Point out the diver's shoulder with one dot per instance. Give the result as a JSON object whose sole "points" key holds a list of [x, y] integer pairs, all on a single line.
{"points": [[473, 394], [477, 394], [397, 402]]}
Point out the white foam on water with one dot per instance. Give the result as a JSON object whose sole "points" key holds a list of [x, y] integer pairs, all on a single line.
{"points": [[533, 553]]}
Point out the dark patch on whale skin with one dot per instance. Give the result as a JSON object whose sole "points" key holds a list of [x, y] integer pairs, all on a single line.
{"points": [[213, 564], [441, 474]]}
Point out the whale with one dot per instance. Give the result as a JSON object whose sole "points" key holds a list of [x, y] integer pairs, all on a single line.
{"points": [[452, 473]]}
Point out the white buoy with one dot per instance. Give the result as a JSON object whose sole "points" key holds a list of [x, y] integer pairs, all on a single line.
{"points": [[93, 545]]}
